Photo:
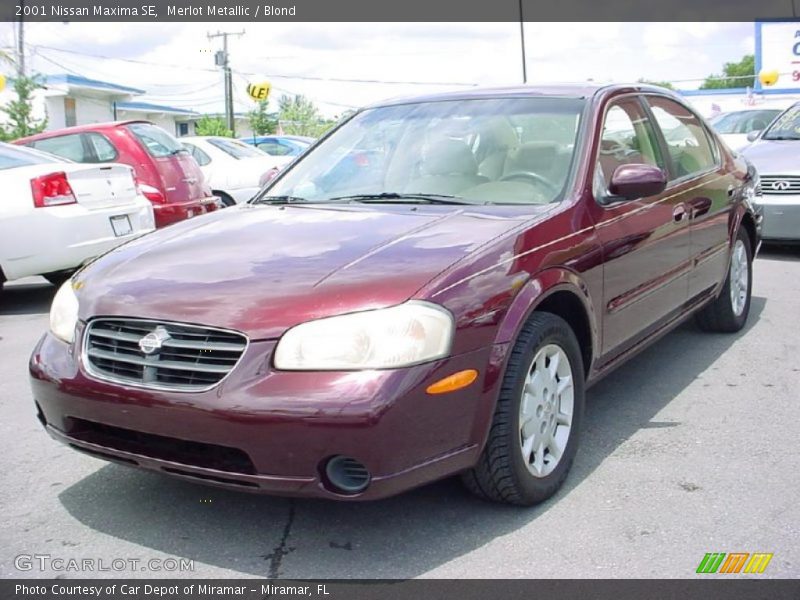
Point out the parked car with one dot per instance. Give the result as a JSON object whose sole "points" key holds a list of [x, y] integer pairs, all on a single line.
{"points": [[280, 145], [233, 170], [775, 152], [357, 337], [733, 127], [167, 175], [56, 214]]}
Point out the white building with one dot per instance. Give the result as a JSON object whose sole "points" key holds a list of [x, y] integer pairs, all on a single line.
{"points": [[68, 100]]}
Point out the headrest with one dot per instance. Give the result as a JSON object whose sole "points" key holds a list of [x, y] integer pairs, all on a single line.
{"points": [[448, 157]]}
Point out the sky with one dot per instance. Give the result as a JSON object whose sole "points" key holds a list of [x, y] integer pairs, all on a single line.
{"points": [[174, 62]]}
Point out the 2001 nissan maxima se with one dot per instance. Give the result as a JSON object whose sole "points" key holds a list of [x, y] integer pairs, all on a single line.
{"points": [[428, 291]]}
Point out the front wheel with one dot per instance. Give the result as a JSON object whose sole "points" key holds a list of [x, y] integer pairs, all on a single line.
{"points": [[57, 278], [728, 313], [534, 432]]}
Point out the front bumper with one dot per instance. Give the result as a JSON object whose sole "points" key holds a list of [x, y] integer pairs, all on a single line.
{"points": [[780, 217], [286, 424]]}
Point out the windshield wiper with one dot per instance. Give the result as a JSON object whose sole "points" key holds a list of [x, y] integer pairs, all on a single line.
{"points": [[278, 200], [781, 137], [389, 197]]}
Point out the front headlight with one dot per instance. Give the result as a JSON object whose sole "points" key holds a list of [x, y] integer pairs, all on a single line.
{"points": [[399, 336], [64, 313]]}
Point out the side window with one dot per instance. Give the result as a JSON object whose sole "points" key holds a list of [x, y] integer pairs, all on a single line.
{"points": [[66, 146], [627, 138], [689, 146], [104, 151], [201, 157]]}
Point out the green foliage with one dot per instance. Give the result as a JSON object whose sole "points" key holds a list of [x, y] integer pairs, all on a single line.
{"points": [[664, 84], [299, 116], [214, 126], [735, 75], [18, 112], [262, 122]]}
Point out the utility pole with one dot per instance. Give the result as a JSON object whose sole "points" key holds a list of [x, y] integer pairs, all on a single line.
{"points": [[522, 40], [221, 59], [21, 42]]}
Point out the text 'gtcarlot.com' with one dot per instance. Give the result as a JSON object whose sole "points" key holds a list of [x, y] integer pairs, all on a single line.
{"points": [[48, 562]]}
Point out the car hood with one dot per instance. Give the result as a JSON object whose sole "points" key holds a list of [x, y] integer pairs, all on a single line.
{"points": [[774, 157], [262, 269]]}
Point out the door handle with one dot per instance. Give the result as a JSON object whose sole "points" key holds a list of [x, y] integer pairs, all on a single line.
{"points": [[679, 213], [700, 206]]}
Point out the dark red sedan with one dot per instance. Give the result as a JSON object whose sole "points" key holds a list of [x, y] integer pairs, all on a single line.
{"points": [[355, 332]]}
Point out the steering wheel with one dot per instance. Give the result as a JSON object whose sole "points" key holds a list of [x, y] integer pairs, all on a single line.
{"points": [[531, 176]]}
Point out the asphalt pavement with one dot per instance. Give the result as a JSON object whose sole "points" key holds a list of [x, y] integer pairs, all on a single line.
{"points": [[692, 447]]}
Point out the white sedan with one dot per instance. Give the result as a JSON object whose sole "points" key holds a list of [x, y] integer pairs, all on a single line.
{"points": [[55, 214], [234, 170]]}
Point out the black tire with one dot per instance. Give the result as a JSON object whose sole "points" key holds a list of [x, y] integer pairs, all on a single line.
{"points": [[720, 316], [225, 199], [58, 278], [501, 474]]}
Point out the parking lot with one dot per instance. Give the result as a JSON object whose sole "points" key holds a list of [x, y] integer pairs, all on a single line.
{"points": [[690, 448]]}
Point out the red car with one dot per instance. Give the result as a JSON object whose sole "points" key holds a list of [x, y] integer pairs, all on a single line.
{"points": [[353, 337], [167, 174]]}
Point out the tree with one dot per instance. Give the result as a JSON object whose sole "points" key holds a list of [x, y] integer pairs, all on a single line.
{"points": [[735, 75], [215, 126], [664, 84], [299, 116], [262, 122], [19, 111]]}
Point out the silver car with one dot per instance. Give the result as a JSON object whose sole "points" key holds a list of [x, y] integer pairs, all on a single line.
{"points": [[775, 152]]}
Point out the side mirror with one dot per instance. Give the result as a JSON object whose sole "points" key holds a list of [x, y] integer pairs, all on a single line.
{"points": [[637, 181], [753, 135]]}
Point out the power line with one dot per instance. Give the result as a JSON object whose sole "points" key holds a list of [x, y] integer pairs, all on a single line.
{"points": [[275, 75]]}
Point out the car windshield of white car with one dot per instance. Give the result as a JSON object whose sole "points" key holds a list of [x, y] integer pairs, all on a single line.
{"points": [[236, 149]]}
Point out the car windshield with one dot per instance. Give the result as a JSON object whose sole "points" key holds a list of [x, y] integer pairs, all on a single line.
{"points": [[157, 141], [479, 151], [12, 156], [743, 121], [786, 126], [235, 148]]}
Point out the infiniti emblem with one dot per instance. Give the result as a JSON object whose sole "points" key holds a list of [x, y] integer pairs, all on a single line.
{"points": [[152, 342], [781, 184]]}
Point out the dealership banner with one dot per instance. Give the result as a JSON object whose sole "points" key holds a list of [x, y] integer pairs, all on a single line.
{"points": [[713, 588], [405, 10]]}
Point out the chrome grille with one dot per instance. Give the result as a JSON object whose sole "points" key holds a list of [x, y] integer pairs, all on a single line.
{"points": [[780, 184], [185, 357]]}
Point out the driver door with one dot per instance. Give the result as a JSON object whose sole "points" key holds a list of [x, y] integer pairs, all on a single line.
{"points": [[645, 242]]}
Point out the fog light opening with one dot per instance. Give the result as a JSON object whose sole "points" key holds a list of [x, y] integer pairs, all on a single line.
{"points": [[346, 475]]}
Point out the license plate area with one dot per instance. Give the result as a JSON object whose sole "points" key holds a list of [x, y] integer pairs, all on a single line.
{"points": [[121, 225]]}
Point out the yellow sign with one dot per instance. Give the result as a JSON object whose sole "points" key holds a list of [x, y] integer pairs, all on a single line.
{"points": [[258, 91], [2, 82], [768, 77]]}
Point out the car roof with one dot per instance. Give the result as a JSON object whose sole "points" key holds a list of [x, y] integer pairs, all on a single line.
{"points": [[561, 90], [81, 129]]}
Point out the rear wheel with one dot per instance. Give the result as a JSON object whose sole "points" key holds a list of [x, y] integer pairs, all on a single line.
{"points": [[728, 313], [534, 433], [225, 199]]}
